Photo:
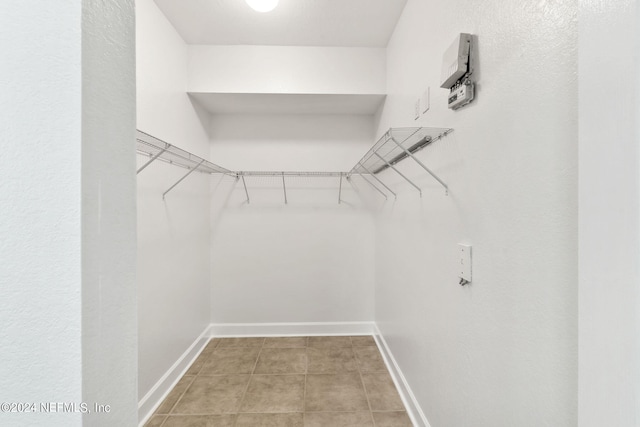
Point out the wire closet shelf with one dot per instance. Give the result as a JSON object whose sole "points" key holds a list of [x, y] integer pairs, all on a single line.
{"points": [[394, 146], [157, 149]]}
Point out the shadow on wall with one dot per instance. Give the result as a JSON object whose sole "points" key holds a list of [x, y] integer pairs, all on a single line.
{"points": [[203, 116], [221, 191]]}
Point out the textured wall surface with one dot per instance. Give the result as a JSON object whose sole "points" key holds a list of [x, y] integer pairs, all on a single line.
{"points": [[309, 260], [109, 306], [502, 351], [609, 213], [68, 246], [40, 275], [173, 239]]}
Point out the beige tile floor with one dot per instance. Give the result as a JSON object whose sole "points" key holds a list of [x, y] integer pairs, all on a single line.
{"points": [[285, 382]]}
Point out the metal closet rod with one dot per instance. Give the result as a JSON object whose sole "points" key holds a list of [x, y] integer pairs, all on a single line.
{"points": [[415, 147], [389, 160], [382, 142], [283, 174], [290, 173]]}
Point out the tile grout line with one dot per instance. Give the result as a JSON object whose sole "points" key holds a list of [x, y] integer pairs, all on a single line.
{"points": [[169, 413], [306, 372], [181, 395], [366, 394], [200, 374], [255, 365], [209, 414], [207, 357], [278, 374], [161, 424]]}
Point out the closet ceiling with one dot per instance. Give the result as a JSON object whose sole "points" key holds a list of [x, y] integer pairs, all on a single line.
{"points": [[356, 23]]}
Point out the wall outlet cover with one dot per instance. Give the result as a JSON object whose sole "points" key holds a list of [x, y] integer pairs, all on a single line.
{"points": [[464, 271]]}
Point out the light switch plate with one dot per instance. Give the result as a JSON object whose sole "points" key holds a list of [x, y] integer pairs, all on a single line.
{"points": [[465, 262], [424, 101], [416, 110]]}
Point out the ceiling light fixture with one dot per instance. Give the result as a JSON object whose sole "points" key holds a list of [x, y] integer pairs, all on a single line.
{"points": [[262, 5]]}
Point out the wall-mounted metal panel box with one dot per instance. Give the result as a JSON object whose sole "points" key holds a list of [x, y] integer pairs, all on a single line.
{"points": [[455, 62]]}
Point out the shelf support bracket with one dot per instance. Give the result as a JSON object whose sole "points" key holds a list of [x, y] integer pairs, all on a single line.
{"points": [[181, 179], [245, 189], [151, 160], [378, 179], [340, 190], [410, 154], [373, 185], [284, 188], [398, 172]]}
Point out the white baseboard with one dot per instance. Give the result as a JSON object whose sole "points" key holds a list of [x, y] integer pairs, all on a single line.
{"points": [[150, 402], [408, 398], [290, 329]]}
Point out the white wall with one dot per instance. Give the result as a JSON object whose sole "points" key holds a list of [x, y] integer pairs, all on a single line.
{"points": [[290, 142], [502, 351], [286, 69], [609, 214], [53, 259], [40, 246], [307, 261], [173, 242], [109, 303]]}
